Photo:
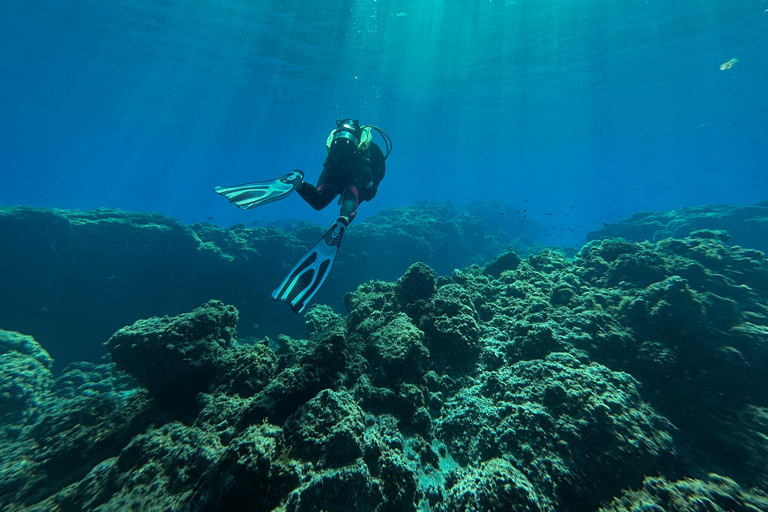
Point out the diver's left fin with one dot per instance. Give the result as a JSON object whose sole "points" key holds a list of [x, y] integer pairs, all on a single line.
{"points": [[306, 278]]}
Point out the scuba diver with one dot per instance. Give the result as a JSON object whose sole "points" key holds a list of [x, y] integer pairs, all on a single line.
{"points": [[353, 170]]}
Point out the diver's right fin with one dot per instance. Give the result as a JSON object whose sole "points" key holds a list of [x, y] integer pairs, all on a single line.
{"points": [[251, 195]]}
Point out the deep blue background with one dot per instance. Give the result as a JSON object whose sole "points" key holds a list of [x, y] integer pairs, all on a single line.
{"points": [[588, 109]]}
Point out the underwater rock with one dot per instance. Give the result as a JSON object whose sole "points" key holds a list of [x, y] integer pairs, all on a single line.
{"points": [[746, 225], [90, 414], [341, 490], [24, 345], [580, 431], [508, 260], [667, 310], [319, 365], [176, 358], [327, 429], [158, 470], [716, 494], [397, 351], [548, 383], [502, 487], [319, 318], [113, 267], [252, 473], [25, 380], [246, 369], [370, 307], [451, 328], [417, 284]]}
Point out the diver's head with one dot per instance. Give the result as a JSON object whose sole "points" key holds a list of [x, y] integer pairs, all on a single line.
{"points": [[346, 138]]}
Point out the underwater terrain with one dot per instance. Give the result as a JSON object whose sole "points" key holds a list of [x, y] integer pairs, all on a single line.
{"points": [[449, 364]]}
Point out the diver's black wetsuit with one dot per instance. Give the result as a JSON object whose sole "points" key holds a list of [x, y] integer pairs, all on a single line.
{"points": [[356, 177]]}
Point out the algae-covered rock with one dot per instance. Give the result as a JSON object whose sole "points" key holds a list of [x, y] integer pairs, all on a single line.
{"points": [[25, 380], [715, 493], [508, 260], [370, 307], [90, 414], [246, 369], [327, 429], [418, 283], [176, 358], [578, 431], [158, 470], [113, 267], [348, 488], [398, 350], [747, 225], [320, 318], [548, 383], [452, 332], [667, 310], [25, 345], [502, 488], [252, 473]]}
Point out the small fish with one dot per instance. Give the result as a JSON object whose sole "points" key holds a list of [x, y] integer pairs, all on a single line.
{"points": [[728, 64]]}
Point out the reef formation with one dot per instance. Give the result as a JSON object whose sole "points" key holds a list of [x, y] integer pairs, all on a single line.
{"points": [[747, 225], [631, 376], [106, 268]]}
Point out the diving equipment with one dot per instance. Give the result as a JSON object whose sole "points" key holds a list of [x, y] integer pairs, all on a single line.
{"points": [[346, 138], [350, 137], [306, 278], [251, 195]]}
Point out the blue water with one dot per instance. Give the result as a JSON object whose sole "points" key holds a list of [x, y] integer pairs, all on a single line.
{"points": [[587, 110]]}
